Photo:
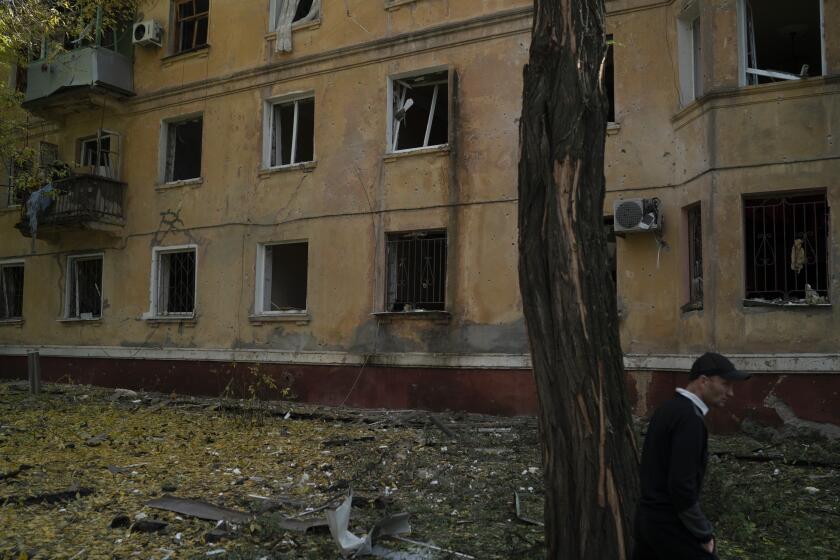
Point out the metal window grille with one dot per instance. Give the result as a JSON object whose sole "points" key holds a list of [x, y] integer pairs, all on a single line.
{"points": [[176, 283], [85, 277], [786, 246], [695, 255], [11, 291], [416, 276]]}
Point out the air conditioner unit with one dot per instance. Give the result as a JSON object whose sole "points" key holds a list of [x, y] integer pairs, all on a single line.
{"points": [[636, 215], [147, 32]]}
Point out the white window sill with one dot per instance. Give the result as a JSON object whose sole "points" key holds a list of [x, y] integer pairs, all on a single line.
{"points": [[314, 24], [306, 167], [17, 322], [436, 316], [299, 317], [186, 320], [785, 304], [443, 149], [79, 320], [613, 128], [183, 183]]}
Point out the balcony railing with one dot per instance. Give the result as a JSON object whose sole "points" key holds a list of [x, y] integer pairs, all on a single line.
{"points": [[80, 201]]}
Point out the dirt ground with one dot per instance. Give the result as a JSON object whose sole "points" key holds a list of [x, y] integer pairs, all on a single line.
{"points": [[78, 465]]}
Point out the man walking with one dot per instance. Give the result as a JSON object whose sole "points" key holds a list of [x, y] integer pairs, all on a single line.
{"points": [[669, 522]]}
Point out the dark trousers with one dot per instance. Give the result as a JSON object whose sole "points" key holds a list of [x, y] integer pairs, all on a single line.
{"points": [[662, 536]]}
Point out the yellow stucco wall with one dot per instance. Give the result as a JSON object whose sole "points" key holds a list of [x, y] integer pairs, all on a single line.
{"points": [[731, 142]]}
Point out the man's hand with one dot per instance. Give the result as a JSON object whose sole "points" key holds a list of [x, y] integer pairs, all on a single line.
{"points": [[709, 546]]}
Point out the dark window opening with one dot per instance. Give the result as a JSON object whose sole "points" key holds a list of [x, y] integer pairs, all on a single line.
{"points": [[609, 79], [695, 257], [787, 248], [783, 40], [285, 277], [612, 253], [303, 10], [421, 111], [416, 275], [183, 150], [191, 20], [176, 283], [20, 78], [85, 291], [293, 132], [11, 291]]}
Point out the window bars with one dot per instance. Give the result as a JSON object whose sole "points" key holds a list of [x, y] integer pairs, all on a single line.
{"points": [[695, 255], [786, 247], [416, 275], [11, 291], [176, 283], [85, 288]]}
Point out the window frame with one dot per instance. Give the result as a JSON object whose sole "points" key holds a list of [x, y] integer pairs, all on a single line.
{"points": [[786, 300], [70, 266], [268, 128], [114, 150], [693, 301], [175, 33], [386, 271], [154, 291], [9, 263], [450, 83], [687, 49], [741, 22], [163, 148], [259, 276], [307, 20]]}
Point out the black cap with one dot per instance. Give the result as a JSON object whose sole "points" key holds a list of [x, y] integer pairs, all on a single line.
{"points": [[712, 363]]}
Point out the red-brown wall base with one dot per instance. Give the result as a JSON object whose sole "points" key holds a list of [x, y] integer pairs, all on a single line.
{"points": [[774, 400]]}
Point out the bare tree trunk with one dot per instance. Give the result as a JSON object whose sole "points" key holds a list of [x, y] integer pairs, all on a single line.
{"points": [[589, 452]]}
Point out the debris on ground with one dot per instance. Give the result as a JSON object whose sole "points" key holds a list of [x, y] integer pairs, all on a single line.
{"points": [[281, 466]]}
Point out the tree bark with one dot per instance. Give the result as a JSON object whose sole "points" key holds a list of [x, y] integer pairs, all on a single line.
{"points": [[589, 452]]}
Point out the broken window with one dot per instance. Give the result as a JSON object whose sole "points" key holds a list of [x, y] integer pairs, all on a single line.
{"points": [[283, 14], [183, 150], [99, 154], [175, 282], [11, 290], [609, 78], [191, 21], [416, 274], [787, 248], [284, 278], [689, 51], [84, 287], [781, 40], [292, 130], [420, 111], [695, 257]]}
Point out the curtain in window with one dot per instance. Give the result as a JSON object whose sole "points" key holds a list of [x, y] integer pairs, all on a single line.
{"points": [[286, 10]]}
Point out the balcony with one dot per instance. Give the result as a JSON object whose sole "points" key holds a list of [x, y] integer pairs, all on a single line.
{"points": [[95, 70], [88, 202]]}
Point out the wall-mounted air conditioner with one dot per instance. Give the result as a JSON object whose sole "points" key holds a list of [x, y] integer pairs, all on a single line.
{"points": [[147, 32], [637, 215]]}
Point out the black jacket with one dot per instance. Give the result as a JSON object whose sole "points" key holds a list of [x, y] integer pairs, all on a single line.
{"points": [[674, 463]]}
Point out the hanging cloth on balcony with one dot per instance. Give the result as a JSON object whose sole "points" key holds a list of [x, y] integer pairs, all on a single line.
{"points": [[38, 201]]}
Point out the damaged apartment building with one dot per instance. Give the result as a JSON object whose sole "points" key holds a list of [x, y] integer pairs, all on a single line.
{"points": [[326, 193]]}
